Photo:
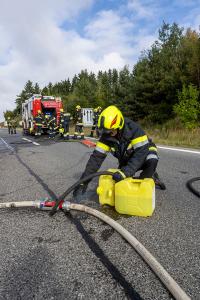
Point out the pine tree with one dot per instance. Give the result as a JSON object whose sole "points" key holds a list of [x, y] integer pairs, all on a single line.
{"points": [[26, 93], [37, 89]]}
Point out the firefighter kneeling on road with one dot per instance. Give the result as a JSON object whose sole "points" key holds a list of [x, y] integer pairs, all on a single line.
{"points": [[38, 123], [128, 143], [78, 123]]}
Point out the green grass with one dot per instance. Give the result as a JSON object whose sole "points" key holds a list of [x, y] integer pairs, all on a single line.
{"points": [[175, 137], [168, 136]]}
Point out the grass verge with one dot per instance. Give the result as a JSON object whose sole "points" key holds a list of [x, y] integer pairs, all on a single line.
{"points": [[175, 137]]}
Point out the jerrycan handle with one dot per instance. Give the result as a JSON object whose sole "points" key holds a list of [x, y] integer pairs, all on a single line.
{"points": [[110, 193], [136, 183]]}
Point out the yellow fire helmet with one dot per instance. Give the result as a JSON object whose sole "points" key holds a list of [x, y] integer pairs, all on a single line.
{"points": [[95, 109], [61, 110], [78, 107], [111, 118], [99, 108], [39, 111]]}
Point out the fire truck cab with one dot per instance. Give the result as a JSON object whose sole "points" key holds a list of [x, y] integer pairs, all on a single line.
{"points": [[48, 105]]}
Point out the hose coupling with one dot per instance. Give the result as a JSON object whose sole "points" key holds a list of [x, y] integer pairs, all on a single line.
{"points": [[40, 203], [37, 203], [66, 206]]}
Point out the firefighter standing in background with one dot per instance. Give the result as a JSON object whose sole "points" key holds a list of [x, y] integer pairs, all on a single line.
{"points": [[95, 122], [9, 125], [52, 127], [61, 123], [45, 120], [126, 140], [14, 126], [97, 112], [99, 109], [38, 123], [78, 123], [67, 119]]}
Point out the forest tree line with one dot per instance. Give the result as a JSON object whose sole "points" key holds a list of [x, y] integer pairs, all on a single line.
{"points": [[164, 84]]}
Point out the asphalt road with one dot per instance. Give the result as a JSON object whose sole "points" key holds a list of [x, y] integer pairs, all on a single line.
{"points": [[76, 256]]}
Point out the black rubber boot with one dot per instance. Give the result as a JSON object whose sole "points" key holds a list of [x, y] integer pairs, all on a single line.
{"points": [[158, 182]]}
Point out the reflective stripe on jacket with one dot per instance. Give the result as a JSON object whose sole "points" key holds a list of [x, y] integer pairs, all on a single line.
{"points": [[38, 120], [153, 152], [130, 147]]}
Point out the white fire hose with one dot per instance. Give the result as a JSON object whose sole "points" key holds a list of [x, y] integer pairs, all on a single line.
{"points": [[162, 274]]}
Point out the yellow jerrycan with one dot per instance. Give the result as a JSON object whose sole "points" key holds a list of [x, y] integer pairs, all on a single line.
{"points": [[135, 197], [106, 189]]}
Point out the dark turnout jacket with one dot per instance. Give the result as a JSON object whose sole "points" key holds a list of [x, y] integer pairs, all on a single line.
{"points": [[131, 147]]}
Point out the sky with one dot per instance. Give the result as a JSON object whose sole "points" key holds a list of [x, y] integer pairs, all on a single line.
{"points": [[52, 40]]}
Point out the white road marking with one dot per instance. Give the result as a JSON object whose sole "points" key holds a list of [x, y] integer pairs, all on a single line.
{"points": [[8, 146], [91, 138], [27, 140], [160, 147], [178, 149], [30, 141]]}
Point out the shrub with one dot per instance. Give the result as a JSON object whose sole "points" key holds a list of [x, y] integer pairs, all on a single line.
{"points": [[187, 109]]}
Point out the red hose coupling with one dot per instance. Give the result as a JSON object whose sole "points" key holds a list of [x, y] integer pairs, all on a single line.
{"points": [[48, 203]]}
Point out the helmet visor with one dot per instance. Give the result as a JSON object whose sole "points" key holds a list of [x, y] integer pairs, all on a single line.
{"points": [[108, 132]]}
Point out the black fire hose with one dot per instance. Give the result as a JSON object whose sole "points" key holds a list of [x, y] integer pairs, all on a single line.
{"points": [[190, 186], [71, 188]]}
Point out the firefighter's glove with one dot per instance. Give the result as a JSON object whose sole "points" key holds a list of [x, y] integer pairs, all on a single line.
{"points": [[118, 176], [80, 190]]}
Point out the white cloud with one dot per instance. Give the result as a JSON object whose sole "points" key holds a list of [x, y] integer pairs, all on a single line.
{"points": [[110, 61], [187, 3], [192, 19], [36, 46], [112, 33], [142, 9]]}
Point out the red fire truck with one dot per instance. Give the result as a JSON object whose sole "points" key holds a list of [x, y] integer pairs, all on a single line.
{"points": [[48, 105]]}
